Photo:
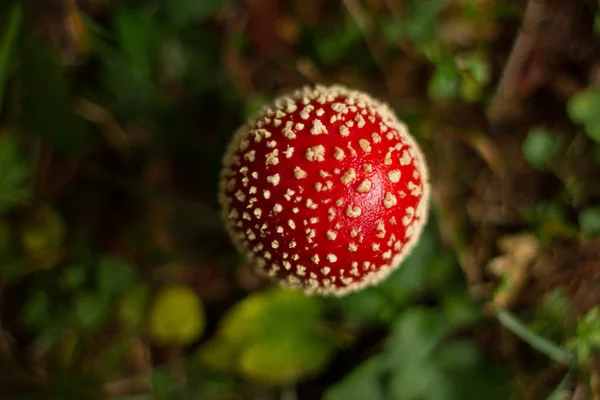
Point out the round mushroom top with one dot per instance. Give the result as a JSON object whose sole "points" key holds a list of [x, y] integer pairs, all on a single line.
{"points": [[324, 190]]}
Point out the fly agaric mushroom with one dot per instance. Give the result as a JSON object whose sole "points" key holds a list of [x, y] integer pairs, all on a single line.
{"points": [[324, 190]]}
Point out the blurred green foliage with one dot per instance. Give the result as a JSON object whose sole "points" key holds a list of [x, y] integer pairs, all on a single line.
{"points": [[587, 337], [583, 108], [418, 363], [540, 147], [589, 220], [275, 336], [14, 174]]}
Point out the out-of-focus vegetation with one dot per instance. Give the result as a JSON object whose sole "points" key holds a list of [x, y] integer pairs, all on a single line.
{"points": [[117, 279]]}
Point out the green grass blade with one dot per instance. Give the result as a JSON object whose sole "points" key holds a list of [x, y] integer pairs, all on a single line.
{"points": [[563, 386], [7, 45], [539, 343]]}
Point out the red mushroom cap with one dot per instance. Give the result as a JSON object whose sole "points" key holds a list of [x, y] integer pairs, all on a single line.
{"points": [[325, 190]]}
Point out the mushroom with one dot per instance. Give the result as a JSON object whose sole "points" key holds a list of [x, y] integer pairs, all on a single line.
{"points": [[324, 190]]}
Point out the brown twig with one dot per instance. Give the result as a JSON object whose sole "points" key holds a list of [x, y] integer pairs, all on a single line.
{"points": [[505, 99]]}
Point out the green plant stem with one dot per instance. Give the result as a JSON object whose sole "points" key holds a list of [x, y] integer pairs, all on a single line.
{"points": [[561, 388], [7, 44], [543, 345]]}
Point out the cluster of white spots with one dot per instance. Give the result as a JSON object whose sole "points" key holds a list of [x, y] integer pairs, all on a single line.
{"points": [[318, 128], [273, 179], [266, 194], [348, 176], [305, 113], [277, 208], [288, 152], [365, 145], [364, 186], [331, 235], [352, 151], [250, 156], [376, 138], [380, 229], [339, 108], [353, 211], [352, 247], [394, 176], [299, 173], [405, 159], [410, 214], [344, 131], [311, 204], [390, 200], [316, 153], [272, 157], [338, 153], [360, 121], [240, 196], [331, 258], [415, 190]]}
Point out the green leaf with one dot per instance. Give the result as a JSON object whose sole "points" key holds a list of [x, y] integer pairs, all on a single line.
{"points": [[460, 309], [551, 314], [418, 24], [176, 316], [421, 381], [91, 310], [583, 107], [181, 12], [7, 45], [5, 242], [362, 383], [14, 175], [414, 335], [586, 340], [589, 220], [275, 312], [36, 312], [219, 354], [592, 129], [44, 232], [138, 36], [540, 148], [114, 275], [48, 110], [444, 82], [73, 277], [284, 358], [134, 306]]}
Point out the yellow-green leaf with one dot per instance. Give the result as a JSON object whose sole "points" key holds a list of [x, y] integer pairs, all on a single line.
{"points": [[177, 316], [287, 359]]}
